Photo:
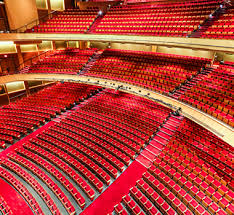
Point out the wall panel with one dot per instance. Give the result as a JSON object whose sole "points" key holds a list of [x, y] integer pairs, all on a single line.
{"points": [[57, 4], [45, 46], [15, 86], [186, 52], [21, 12], [135, 47]]}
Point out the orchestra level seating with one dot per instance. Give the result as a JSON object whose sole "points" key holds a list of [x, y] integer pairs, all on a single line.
{"points": [[75, 157], [193, 174]]}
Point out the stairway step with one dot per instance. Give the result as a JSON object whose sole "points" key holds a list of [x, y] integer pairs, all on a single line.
{"points": [[172, 123], [160, 140], [153, 150], [157, 145], [164, 135], [165, 130], [168, 126], [176, 118]]}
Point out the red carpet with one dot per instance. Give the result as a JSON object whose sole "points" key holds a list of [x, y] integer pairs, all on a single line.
{"points": [[105, 203], [14, 200]]}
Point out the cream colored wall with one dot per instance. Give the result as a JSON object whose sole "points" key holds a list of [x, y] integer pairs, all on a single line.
{"points": [[15, 86], [45, 46], [41, 4], [73, 44], [225, 56], [21, 12], [57, 4], [29, 48], [61, 44], [99, 45], [186, 52], [7, 47], [135, 47]]}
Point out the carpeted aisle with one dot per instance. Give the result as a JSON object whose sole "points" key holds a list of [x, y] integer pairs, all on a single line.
{"points": [[105, 203]]}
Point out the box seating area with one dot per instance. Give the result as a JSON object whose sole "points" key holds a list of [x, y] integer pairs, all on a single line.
{"points": [[68, 21], [174, 19], [213, 94], [223, 28], [184, 181], [158, 72], [23, 116], [68, 61], [90, 146]]}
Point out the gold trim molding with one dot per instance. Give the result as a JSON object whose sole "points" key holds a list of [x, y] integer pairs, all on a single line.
{"points": [[193, 43]]}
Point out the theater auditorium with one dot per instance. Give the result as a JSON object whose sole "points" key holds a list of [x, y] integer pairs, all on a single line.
{"points": [[116, 107]]}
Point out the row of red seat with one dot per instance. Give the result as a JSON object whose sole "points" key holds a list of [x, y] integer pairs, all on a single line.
{"points": [[68, 21], [91, 145], [174, 19], [11, 179], [22, 116], [213, 93], [68, 61], [223, 28], [155, 71], [183, 181], [4, 207]]}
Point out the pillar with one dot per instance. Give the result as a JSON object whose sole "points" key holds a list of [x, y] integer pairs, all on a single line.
{"points": [[8, 99], [82, 45], [20, 56], [27, 88], [154, 48], [53, 45], [48, 6]]}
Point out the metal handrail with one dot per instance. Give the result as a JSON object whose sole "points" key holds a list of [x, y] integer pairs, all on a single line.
{"points": [[35, 22]]}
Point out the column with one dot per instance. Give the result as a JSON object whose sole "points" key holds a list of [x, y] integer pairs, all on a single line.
{"points": [[20, 56]]}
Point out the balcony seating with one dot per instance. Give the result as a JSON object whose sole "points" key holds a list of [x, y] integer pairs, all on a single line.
{"points": [[155, 71], [213, 94], [48, 181], [174, 19], [22, 116], [69, 61], [192, 175], [4, 207], [223, 28], [68, 21]]}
